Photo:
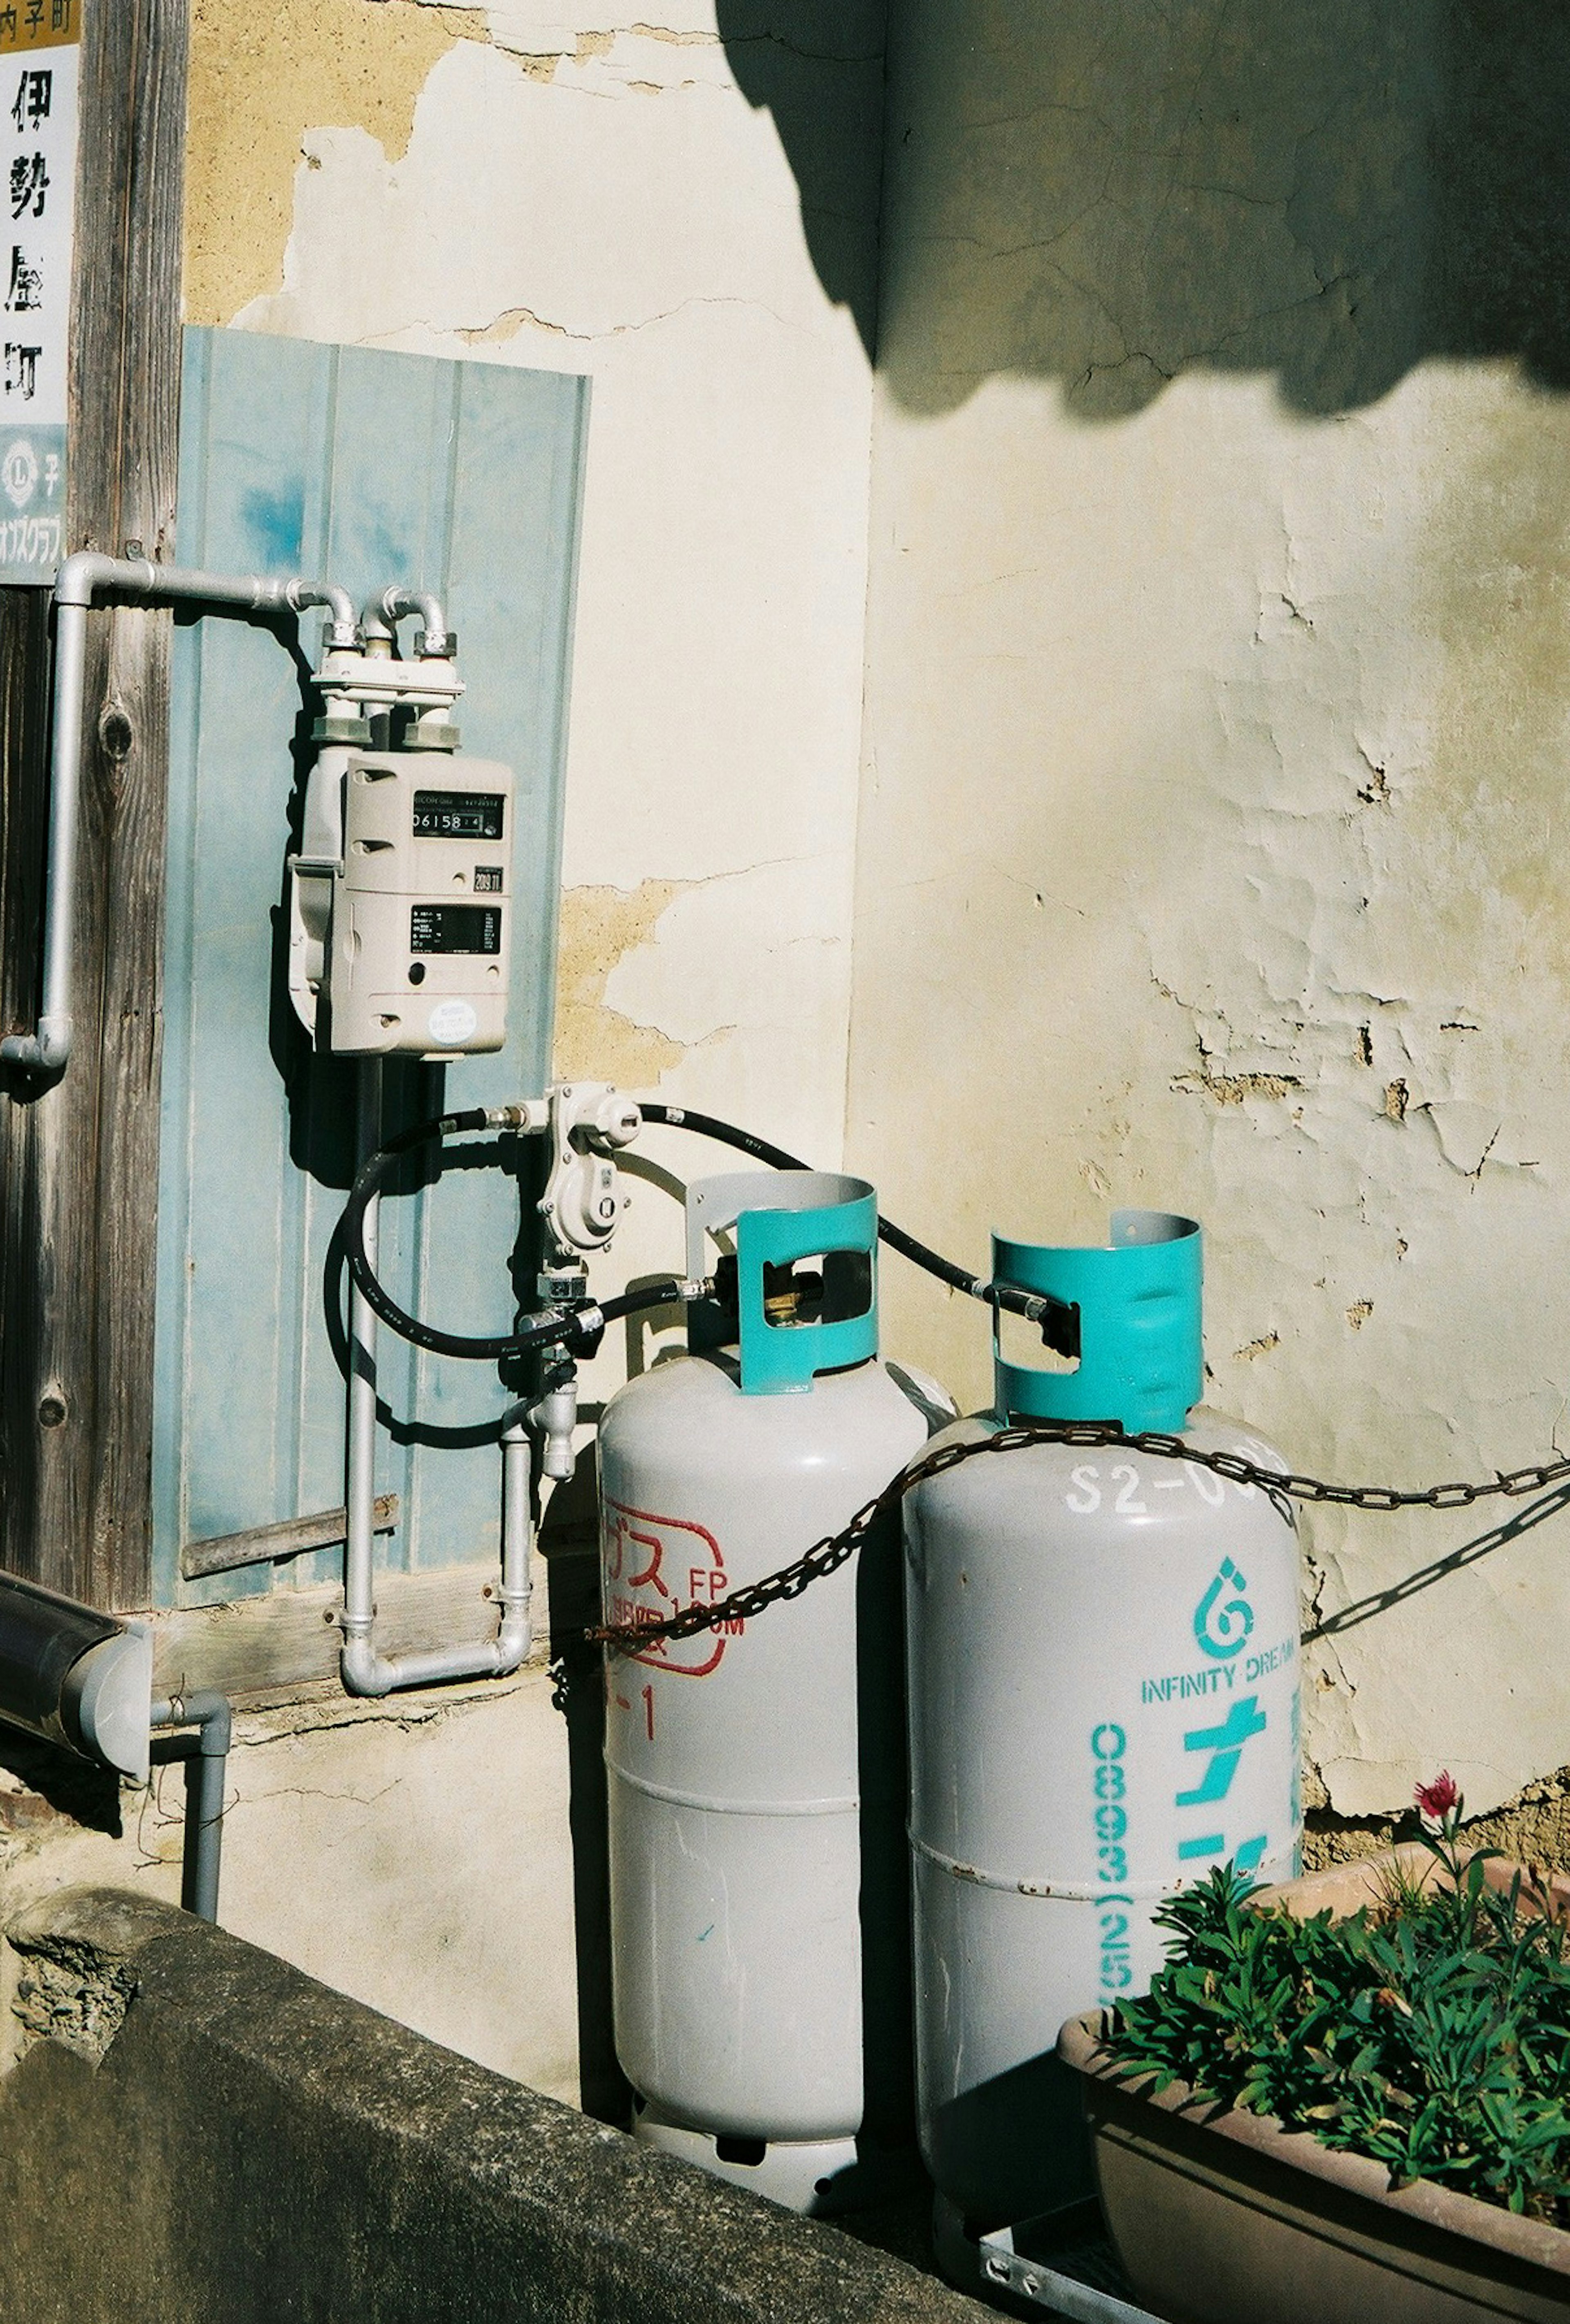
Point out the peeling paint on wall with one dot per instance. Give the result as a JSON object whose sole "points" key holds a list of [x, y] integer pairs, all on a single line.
{"points": [[718, 678], [595, 1042], [1533, 1827], [1231, 1089], [260, 78], [499, 183], [1334, 1032], [1256, 654]]}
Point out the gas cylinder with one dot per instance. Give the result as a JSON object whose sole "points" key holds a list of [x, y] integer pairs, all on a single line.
{"points": [[756, 1771], [1104, 1685]]}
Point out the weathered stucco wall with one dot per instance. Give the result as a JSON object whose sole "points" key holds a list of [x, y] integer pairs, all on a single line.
{"points": [[1215, 796], [568, 185]]}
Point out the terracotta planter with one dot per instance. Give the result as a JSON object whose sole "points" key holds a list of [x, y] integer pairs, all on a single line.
{"points": [[1225, 2218]]}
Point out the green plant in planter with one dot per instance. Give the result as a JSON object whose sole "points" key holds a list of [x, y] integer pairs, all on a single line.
{"points": [[1430, 2031]]}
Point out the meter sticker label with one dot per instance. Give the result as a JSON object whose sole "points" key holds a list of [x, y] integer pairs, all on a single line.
{"points": [[459, 815], [454, 927], [653, 1567], [451, 1022]]}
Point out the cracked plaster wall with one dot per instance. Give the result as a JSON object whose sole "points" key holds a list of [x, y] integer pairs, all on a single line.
{"points": [[587, 187], [411, 1853], [1215, 806]]}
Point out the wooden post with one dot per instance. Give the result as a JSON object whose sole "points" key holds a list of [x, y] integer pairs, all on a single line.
{"points": [[78, 1161]]}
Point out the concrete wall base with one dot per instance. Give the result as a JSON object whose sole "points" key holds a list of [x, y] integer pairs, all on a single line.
{"points": [[195, 2130]]}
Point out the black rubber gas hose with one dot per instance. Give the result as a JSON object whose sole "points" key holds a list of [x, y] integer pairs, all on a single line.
{"points": [[1058, 1320], [577, 1329]]}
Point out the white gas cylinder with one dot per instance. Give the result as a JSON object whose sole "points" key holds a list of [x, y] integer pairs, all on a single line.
{"points": [[756, 1771], [1104, 1675]]}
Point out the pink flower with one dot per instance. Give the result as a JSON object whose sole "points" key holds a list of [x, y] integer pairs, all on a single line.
{"points": [[1436, 1799]]}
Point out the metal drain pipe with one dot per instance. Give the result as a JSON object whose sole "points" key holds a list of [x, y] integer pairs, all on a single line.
{"points": [[206, 1760]]}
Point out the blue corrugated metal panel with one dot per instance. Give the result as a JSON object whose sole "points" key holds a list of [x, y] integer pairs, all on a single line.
{"points": [[364, 467]]}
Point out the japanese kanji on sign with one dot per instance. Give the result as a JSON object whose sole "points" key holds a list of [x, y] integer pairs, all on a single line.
{"points": [[38, 132]]}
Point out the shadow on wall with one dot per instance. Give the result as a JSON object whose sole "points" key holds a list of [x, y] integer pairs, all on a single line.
{"points": [[817, 67], [1329, 190]]}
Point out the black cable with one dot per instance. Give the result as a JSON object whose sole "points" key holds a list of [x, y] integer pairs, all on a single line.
{"points": [[1059, 1320], [577, 1329]]}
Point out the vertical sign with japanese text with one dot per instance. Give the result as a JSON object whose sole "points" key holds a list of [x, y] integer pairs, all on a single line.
{"points": [[38, 53]]}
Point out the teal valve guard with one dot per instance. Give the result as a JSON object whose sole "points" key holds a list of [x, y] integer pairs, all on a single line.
{"points": [[1141, 1362], [781, 1216]]}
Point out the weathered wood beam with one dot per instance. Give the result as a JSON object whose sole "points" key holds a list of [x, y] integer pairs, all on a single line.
{"points": [[292, 1637], [272, 1545], [78, 1161]]}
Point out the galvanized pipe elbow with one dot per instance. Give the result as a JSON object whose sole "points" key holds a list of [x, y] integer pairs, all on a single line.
{"points": [[364, 1671], [82, 577], [396, 603], [342, 629], [47, 1051]]}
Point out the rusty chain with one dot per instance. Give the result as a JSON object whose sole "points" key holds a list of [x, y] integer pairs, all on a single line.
{"points": [[825, 1555]]}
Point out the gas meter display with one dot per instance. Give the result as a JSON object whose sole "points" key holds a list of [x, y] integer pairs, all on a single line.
{"points": [[458, 815], [400, 903], [454, 927]]}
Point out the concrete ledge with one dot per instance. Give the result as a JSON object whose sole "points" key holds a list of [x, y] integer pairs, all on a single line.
{"points": [[199, 2132]]}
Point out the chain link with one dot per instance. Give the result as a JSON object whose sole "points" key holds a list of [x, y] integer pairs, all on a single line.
{"points": [[826, 1555]]}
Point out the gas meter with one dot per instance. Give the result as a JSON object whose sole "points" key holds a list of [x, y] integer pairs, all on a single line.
{"points": [[400, 895]]}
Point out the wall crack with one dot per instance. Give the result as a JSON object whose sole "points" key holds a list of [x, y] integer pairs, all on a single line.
{"points": [[513, 320]]}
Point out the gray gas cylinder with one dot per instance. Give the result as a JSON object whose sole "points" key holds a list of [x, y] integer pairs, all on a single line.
{"points": [[1103, 1681], [756, 1774]]}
